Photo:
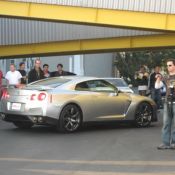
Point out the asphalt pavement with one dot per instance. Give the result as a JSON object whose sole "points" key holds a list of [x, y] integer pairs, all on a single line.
{"points": [[98, 150]]}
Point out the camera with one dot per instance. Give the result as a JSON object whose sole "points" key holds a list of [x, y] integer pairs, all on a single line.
{"points": [[171, 96], [158, 76]]}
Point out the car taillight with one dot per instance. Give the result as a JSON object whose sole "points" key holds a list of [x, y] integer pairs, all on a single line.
{"points": [[5, 94], [39, 97], [33, 96]]}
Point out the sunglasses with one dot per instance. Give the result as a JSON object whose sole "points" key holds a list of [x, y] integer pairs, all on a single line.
{"points": [[169, 65]]}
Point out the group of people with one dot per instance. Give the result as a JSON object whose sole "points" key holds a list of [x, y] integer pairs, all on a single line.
{"points": [[155, 82], [147, 81], [15, 77]]}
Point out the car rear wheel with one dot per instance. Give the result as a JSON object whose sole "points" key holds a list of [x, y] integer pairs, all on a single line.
{"points": [[23, 125], [144, 114], [70, 119]]}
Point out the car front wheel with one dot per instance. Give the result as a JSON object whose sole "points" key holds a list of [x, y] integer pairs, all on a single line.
{"points": [[144, 114], [70, 119]]}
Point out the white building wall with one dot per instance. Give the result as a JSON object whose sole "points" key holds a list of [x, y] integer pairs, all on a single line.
{"points": [[54, 60], [99, 65], [89, 65]]}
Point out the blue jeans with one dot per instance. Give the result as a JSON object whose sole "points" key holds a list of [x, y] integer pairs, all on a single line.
{"points": [[156, 96], [168, 130]]}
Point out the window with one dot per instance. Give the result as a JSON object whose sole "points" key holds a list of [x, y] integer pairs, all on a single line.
{"points": [[118, 82], [82, 87], [51, 82], [96, 86]]}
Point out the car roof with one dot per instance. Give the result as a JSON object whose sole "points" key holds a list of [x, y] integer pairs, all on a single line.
{"points": [[113, 78], [77, 79], [73, 79]]}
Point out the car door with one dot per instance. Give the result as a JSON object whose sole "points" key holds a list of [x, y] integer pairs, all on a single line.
{"points": [[109, 104], [86, 101]]}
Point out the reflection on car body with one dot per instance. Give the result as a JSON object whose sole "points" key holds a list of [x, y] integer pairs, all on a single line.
{"points": [[68, 102], [120, 83]]}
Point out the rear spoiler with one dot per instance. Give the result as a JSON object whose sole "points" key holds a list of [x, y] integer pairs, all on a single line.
{"points": [[27, 87]]}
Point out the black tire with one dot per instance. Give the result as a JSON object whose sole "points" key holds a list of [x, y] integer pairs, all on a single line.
{"points": [[70, 119], [144, 114], [23, 125]]}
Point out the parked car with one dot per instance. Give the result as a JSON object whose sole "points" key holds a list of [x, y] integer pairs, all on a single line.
{"points": [[67, 102], [121, 84]]}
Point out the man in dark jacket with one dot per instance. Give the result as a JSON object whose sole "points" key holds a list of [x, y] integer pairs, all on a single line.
{"points": [[36, 73], [23, 72], [155, 93], [141, 77], [60, 72]]}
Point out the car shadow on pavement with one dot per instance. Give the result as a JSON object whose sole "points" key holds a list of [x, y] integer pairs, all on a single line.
{"points": [[87, 127], [110, 126]]}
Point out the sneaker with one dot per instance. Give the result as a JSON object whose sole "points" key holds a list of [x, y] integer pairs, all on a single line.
{"points": [[163, 146], [172, 146]]}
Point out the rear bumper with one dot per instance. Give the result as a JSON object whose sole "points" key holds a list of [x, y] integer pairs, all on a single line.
{"points": [[44, 110], [37, 120]]}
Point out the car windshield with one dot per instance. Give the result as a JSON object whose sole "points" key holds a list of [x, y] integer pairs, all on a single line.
{"points": [[50, 82], [118, 82]]}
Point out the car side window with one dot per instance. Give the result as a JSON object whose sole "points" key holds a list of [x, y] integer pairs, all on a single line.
{"points": [[101, 86], [82, 87]]}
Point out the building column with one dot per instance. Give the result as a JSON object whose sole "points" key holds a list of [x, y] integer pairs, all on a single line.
{"points": [[78, 64]]}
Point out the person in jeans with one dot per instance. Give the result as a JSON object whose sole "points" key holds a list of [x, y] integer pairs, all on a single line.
{"points": [[155, 93], [168, 129]]}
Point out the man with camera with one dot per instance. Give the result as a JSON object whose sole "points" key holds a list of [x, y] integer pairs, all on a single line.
{"points": [[141, 77], [155, 93], [168, 129]]}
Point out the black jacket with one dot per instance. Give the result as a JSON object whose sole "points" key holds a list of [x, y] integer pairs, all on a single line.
{"points": [[34, 76], [23, 73], [142, 81], [152, 80]]}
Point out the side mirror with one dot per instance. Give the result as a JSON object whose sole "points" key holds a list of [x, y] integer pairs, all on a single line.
{"points": [[116, 92]]}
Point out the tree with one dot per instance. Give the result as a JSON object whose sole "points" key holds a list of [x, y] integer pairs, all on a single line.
{"points": [[129, 62]]}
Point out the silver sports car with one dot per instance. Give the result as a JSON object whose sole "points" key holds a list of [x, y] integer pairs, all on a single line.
{"points": [[68, 102]]}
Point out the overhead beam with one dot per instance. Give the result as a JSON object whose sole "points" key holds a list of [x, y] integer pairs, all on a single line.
{"points": [[88, 16], [88, 46]]}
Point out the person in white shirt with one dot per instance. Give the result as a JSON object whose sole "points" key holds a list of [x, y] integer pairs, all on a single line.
{"points": [[13, 76]]}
